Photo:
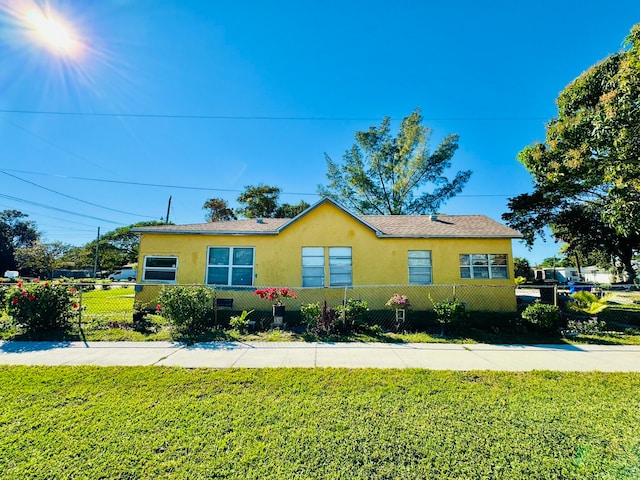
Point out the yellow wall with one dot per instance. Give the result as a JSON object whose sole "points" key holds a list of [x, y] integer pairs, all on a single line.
{"points": [[375, 261]]}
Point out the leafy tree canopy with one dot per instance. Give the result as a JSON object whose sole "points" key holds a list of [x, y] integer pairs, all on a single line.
{"points": [[262, 202], [218, 210], [259, 201], [387, 175], [587, 172], [15, 232], [40, 259], [116, 248], [522, 268], [287, 210]]}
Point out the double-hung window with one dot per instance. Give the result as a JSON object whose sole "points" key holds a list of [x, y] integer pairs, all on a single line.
{"points": [[420, 267], [313, 266], [314, 272], [484, 266], [232, 266], [339, 266], [160, 269]]}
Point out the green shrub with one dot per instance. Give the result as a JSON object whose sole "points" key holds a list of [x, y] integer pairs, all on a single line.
{"points": [[310, 312], [586, 327], [542, 316], [41, 306], [587, 302], [325, 322], [189, 309], [352, 315], [241, 322], [449, 312]]}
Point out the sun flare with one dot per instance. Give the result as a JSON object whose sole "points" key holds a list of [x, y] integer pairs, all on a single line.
{"points": [[54, 33]]}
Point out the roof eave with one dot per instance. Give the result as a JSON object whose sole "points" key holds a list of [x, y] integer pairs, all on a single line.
{"points": [[205, 232], [335, 204], [385, 235]]}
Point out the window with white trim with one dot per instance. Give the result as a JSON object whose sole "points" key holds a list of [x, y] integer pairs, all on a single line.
{"points": [[339, 266], [160, 269], [231, 266], [484, 266], [420, 267], [313, 266]]}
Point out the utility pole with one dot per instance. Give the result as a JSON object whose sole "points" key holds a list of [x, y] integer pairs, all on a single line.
{"points": [[166, 220], [95, 262]]}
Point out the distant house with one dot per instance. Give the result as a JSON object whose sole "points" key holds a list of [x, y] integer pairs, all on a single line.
{"points": [[328, 247], [558, 274], [597, 275]]}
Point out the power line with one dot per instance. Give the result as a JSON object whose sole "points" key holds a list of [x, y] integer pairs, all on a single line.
{"points": [[55, 145], [58, 209], [54, 218], [207, 189], [257, 117], [74, 198]]}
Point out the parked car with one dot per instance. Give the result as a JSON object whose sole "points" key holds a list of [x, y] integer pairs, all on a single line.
{"points": [[124, 274]]}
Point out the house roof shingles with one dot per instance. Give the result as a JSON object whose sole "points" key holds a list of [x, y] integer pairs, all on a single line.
{"points": [[452, 226]]}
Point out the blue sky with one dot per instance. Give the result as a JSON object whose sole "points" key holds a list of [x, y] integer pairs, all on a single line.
{"points": [[243, 93]]}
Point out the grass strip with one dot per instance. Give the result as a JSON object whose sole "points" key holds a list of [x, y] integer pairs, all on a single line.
{"points": [[92, 422]]}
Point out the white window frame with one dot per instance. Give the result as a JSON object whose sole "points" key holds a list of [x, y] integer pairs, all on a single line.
{"points": [[159, 269], [231, 266], [489, 266], [308, 263], [418, 266]]}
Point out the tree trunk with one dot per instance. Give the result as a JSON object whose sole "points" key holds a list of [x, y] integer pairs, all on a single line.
{"points": [[628, 266]]}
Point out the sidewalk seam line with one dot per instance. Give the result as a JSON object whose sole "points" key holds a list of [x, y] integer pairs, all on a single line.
{"points": [[238, 359], [181, 347], [394, 350]]}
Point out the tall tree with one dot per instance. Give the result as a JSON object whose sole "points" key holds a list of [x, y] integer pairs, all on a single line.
{"points": [[387, 175], [287, 210], [117, 248], [522, 268], [41, 258], [218, 210], [587, 172], [259, 201], [15, 232]]}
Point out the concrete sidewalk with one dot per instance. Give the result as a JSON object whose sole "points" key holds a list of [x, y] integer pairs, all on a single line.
{"points": [[435, 356]]}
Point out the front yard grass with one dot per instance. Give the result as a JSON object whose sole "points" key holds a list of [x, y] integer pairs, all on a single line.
{"points": [[154, 422]]}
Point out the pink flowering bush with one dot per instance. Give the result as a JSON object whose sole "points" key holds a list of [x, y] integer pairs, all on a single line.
{"points": [[398, 301], [41, 306], [275, 295]]}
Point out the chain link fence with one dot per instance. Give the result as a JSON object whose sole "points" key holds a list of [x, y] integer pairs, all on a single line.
{"points": [[105, 306]]}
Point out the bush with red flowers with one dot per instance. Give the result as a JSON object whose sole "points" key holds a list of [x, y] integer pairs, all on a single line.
{"points": [[275, 295], [41, 306]]}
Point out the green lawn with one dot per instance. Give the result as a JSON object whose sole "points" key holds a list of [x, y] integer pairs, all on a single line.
{"points": [[115, 304], [91, 422]]}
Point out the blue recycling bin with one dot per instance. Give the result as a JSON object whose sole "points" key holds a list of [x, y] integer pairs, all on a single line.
{"points": [[579, 287]]}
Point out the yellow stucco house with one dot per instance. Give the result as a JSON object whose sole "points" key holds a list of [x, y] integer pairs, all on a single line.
{"points": [[328, 247]]}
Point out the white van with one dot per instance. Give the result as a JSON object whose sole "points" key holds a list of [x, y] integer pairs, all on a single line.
{"points": [[11, 274], [124, 274]]}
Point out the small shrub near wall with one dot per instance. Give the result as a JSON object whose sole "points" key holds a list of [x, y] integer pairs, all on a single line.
{"points": [[352, 315], [188, 308], [542, 316], [41, 306]]}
